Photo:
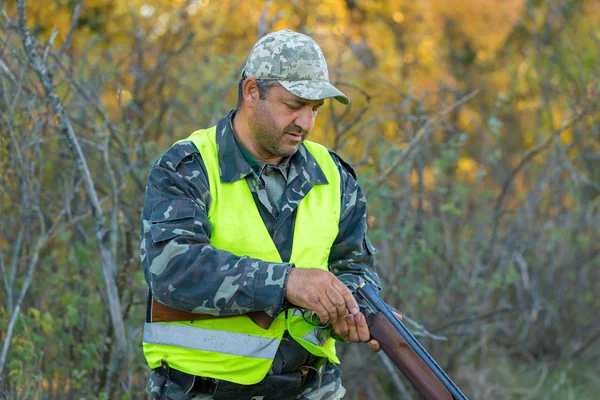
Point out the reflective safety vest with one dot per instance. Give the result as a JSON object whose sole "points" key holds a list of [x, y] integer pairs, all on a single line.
{"points": [[235, 349]]}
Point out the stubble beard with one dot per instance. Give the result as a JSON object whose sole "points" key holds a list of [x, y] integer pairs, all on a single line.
{"points": [[269, 138]]}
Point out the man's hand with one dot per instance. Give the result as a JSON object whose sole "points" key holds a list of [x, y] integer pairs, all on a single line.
{"points": [[323, 293], [359, 330]]}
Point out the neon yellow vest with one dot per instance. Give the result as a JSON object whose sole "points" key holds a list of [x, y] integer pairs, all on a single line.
{"points": [[235, 349]]}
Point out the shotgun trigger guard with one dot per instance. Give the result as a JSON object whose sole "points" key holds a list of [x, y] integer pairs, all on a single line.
{"points": [[368, 313], [367, 310]]}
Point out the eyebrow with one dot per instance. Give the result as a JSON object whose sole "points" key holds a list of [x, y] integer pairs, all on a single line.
{"points": [[304, 102]]}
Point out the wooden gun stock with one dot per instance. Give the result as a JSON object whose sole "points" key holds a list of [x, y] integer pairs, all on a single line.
{"points": [[427, 377], [408, 362], [162, 313]]}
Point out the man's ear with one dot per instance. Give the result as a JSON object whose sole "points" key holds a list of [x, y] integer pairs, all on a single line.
{"points": [[250, 92]]}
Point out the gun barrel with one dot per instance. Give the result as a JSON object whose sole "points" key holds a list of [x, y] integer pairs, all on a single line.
{"points": [[370, 296]]}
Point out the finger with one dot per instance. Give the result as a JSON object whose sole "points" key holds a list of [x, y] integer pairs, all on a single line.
{"points": [[337, 312], [397, 315], [353, 335], [350, 303], [337, 299], [362, 329], [342, 328], [374, 346], [343, 332], [347, 302], [322, 313]]}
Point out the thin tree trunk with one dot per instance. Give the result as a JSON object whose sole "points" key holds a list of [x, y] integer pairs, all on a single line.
{"points": [[102, 235], [17, 308]]}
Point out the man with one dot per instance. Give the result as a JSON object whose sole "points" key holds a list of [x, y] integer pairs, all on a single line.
{"points": [[249, 219]]}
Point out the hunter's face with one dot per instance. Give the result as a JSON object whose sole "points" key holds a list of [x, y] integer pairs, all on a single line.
{"points": [[281, 122]]}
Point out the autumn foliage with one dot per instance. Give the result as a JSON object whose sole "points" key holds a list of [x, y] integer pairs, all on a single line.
{"points": [[474, 127]]}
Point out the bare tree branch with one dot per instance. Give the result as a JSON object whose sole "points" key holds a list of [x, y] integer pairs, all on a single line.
{"points": [[393, 371], [508, 182], [422, 132], [74, 22]]}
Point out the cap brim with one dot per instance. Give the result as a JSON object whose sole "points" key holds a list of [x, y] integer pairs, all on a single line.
{"points": [[314, 90]]}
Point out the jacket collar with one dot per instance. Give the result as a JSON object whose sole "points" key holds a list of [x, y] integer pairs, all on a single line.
{"points": [[236, 163]]}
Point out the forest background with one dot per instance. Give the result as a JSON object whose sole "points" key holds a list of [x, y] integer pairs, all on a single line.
{"points": [[474, 127]]}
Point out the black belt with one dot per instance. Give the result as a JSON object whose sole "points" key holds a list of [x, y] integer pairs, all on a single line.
{"points": [[189, 383], [271, 387]]}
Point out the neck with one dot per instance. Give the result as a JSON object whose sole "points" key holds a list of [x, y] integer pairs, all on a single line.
{"points": [[241, 130]]}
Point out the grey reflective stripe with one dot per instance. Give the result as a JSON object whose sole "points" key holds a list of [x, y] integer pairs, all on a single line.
{"points": [[316, 336], [296, 312], [190, 337]]}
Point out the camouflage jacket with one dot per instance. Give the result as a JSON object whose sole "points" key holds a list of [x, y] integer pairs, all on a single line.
{"points": [[175, 234]]}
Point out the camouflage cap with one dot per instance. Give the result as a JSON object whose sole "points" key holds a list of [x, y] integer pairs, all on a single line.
{"points": [[296, 62]]}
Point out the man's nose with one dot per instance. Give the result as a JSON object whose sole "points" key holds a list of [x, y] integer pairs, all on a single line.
{"points": [[306, 119]]}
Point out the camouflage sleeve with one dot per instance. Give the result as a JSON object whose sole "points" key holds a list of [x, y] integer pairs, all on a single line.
{"points": [[180, 266], [351, 257]]}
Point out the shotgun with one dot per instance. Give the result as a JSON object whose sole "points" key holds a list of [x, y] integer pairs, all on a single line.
{"points": [[419, 368], [411, 358]]}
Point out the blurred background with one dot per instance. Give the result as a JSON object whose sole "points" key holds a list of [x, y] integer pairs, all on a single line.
{"points": [[474, 128]]}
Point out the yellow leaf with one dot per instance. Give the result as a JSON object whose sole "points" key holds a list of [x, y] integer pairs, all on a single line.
{"points": [[34, 312]]}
